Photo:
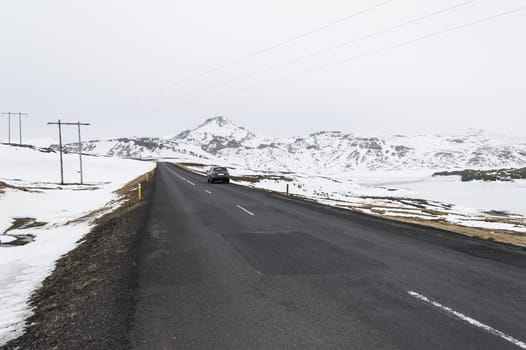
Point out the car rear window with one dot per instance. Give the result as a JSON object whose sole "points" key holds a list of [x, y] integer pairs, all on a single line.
{"points": [[220, 169]]}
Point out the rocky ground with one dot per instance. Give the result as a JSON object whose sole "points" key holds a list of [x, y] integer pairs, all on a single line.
{"points": [[487, 175], [88, 300]]}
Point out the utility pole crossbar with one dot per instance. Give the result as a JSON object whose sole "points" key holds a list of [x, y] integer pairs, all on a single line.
{"points": [[78, 124]]}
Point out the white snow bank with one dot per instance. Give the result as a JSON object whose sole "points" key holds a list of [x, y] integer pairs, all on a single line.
{"points": [[508, 196], [23, 268]]}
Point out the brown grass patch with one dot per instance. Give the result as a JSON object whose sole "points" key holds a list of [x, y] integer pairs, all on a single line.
{"points": [[23, 223], [127, 192], [132, 185], [258, 178], [504, 236], [4, 185]]}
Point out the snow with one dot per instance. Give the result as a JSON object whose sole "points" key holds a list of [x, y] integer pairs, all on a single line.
{"points": [[484, 196], [24, 267]]}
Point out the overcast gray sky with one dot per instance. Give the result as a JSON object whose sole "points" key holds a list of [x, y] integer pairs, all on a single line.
{"points": [[105, 62]]}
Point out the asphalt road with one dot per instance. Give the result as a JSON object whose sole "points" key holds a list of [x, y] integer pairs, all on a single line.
{"points": [[225, 267]]}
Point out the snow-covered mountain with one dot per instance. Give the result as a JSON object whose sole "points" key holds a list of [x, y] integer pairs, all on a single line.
{"points": [[220, 140], [216, 134]]}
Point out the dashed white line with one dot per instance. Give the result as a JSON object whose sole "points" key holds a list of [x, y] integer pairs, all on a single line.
{"points": [[207, 191], [181, 177], [246, 211], [469, 320]]}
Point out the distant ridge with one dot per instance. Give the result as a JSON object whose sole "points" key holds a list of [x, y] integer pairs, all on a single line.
{"points": [[219, 140]]}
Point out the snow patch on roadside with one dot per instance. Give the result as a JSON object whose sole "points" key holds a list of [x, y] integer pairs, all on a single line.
{"points": [[56, 208]]}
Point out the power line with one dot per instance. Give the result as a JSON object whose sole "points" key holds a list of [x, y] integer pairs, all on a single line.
{"points": [[366, 54], [259, 52], [325, 50]]}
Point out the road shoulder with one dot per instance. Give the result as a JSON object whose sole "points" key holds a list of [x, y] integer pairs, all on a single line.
{"points": [[88, 300]]}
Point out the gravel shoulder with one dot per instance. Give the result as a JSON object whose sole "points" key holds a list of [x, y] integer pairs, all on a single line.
{"points": [[88, 300]]}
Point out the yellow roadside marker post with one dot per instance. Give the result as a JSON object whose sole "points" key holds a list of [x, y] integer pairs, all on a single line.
{"points": [[287, 191], [139, 191]]}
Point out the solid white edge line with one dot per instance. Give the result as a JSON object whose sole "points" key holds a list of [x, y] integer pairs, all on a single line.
{"points": [[469, 320], [246, 211]]}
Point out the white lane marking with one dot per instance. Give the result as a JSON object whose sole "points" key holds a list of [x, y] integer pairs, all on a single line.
{"points": [[173, 172], [207, 191], [246, 211], [259, 273], [469, 320], [181, 177]]}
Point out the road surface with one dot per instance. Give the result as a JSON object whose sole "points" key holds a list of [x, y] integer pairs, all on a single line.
{"points": [[225, 267]]}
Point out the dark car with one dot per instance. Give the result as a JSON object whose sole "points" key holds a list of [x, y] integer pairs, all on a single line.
{"points": [[217, 173]]}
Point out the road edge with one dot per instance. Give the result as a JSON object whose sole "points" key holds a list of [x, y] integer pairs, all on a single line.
{"points": [[477, 235]]}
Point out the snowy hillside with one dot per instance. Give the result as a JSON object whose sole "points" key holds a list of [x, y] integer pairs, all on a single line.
{"points": [[220, 140]]}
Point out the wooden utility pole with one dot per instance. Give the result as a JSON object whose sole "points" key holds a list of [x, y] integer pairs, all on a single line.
{"points": [[80, 154], [78, 124], [9, 114], [20, 125], [60, 149], [8, 125]]}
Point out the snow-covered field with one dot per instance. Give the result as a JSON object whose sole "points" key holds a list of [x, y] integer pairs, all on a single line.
{"points": [[35, 209], [416, 195], [481, 195]]}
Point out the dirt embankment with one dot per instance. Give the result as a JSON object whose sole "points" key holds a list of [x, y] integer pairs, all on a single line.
{"points": [[88, 300]]}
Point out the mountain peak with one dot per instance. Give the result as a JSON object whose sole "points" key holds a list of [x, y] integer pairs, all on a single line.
{"points": [[219, 120], [215, 134], [219, 126]]}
